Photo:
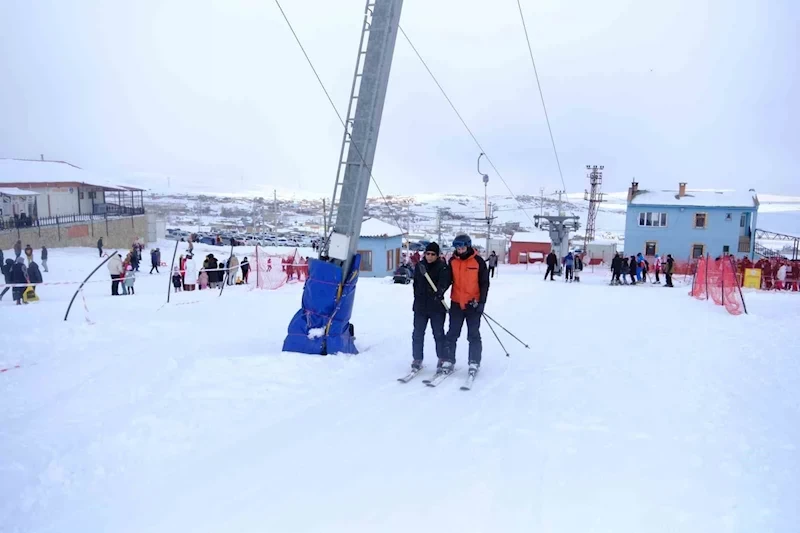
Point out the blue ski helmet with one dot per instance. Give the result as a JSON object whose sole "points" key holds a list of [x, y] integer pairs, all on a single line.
{"points": [[462, 240]]}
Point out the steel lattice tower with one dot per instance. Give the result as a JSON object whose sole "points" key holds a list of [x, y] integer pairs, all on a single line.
{"points": [[594, 196]]}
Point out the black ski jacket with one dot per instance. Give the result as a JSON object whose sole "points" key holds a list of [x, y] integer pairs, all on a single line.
{"points": [[424, 296]]}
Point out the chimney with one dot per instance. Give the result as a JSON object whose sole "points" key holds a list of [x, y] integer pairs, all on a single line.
{"points": [[632, 190], [681, 189]]}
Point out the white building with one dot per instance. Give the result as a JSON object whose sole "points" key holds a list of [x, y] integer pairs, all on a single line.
{"points": [[60, 189]]}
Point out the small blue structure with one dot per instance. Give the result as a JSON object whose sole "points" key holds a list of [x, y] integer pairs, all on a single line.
{"points": [[690, 224], [380, 247]]}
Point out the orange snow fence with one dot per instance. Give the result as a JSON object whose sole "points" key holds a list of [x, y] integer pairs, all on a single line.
{"points": [[716, 280]]}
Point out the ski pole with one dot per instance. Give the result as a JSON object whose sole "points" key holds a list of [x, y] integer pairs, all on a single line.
{"points": [[496, 337], [504, 329]]}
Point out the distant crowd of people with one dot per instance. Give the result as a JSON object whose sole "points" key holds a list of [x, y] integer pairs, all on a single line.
{"points": [[24, 276]]}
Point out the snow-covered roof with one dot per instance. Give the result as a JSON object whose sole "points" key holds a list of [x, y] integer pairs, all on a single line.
{"points": [[14, 191], [531, 236], [34, 171], [372, 227], [697, 198]]}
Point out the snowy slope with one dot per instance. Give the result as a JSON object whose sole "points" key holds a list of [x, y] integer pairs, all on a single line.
{"points": [[637, 409]]}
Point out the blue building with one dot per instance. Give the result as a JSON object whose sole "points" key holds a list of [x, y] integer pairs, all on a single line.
{"points": [[688, 223], [380, 245]]}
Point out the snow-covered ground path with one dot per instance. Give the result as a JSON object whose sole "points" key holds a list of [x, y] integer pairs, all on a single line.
{"points": [[636, 409]]}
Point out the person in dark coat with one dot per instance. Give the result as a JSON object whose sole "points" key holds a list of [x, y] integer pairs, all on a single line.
{"points": [[100, 246], [34, 274], [19, 275], [633, 268], [44, 258], [616, 269], [214, 275], [552, 261], [428, 304], [6, 269], [17, 249], [669, 268], [155, 259], [492, 263], [245, 266]]}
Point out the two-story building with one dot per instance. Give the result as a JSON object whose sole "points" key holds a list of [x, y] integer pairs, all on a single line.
{"points": [[690, 224]]}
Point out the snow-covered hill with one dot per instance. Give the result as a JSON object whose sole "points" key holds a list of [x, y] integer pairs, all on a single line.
{"points": [[187, 417]]}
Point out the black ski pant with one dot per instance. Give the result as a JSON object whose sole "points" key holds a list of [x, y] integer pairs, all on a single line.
{"points": [[114, 285], [437, 327], [669, 279], [472, 317], [491, 271], [658, 280], [568, 275], [550, 271], [100, 251], [156, 267], [633, 278]]}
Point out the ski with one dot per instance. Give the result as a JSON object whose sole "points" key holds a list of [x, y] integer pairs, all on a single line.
{"points": [[438, 378], [408, 377], [470, 378]]}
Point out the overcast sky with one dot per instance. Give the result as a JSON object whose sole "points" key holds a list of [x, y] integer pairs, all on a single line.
{"points": [[215, 93]]}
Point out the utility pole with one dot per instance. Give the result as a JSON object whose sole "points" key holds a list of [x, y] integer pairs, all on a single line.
{"points": [[560, 205], [324, 220], [541, 201], [275, 205], [595, 197], [439, 225]]}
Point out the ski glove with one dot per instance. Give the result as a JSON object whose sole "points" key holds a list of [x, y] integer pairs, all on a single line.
{"points": [[475, 304], [439, 295]]}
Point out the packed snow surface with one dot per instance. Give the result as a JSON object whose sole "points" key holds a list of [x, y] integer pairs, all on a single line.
{"points": [[637, 409]]}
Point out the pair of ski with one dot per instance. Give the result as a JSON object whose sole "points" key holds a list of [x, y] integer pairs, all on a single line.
{"points": [[438, 377]]}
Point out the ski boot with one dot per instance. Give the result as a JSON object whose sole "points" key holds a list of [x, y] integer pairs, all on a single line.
{"points": [[474, 367], [416, 365], [445, 367]]}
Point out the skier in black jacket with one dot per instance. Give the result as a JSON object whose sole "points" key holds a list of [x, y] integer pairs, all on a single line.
{"points": [[616, 269], [428, 304], [552, 261]]}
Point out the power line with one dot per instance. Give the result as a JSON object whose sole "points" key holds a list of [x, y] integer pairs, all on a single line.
{"points": [[477, 143], [541, 94], [353, 144]]}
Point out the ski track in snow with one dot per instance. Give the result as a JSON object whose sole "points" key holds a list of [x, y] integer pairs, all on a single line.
{"points": [[636, 409]]}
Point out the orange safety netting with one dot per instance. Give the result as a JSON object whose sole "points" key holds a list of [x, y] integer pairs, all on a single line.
{"points": [[716, 279]]}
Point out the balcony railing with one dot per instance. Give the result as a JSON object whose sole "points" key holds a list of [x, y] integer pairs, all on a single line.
{"points": [[110, 211]]}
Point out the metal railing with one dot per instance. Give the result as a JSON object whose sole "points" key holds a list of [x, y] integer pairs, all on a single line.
{"points": [[11, 224]]}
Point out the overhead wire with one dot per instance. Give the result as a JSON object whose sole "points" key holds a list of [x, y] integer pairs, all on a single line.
{"points": [[541, 94], [461, 118], [336, 110]]}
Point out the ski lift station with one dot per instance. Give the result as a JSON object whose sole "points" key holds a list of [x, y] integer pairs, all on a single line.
{"points": [[380, 245]]}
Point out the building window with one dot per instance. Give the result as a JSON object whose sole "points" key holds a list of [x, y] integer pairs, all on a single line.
{"points": [[397, 256], [390, 260], [699, 220], [698, 251], [366, 260], [92, 194], [726, 249], [80, 195], [650, 248], [743, 220], [653, 219]]}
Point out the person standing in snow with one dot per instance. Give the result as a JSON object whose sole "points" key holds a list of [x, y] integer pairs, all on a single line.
{"points": [[470, 281], [130, 279], [428, 305], [616, 269], [233, 269], [7, 269], [44, 258], [154, 260], [657, 268], [177, 280], [190, 275], [100, 246], [17, 249], [552, 261], [492, 263], [569, 265], [19, 276], [245, 269], [116, 270], [202, 279], [29, 253], [668, 270], [633, 269]]}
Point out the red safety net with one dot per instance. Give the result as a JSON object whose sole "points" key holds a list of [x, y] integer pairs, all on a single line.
{"points": [[716, 279]]}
